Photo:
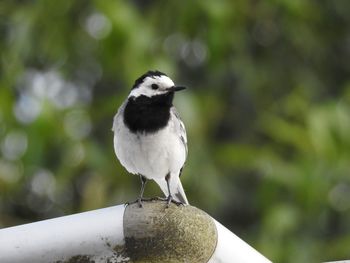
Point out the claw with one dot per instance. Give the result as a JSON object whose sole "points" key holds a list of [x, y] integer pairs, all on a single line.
{"points": [[177, 203], [139, 201], [170, 199]]}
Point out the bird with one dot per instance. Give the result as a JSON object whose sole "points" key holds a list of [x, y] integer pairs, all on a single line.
{"points": [[150, 138]]}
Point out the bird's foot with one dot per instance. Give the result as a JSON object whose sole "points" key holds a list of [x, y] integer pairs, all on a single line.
{"points": [[158, 198], [130, 203], [170, 199], [142, 199], [139, 201]]}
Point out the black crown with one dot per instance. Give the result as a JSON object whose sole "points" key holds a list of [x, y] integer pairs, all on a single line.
{"points": [[150, 73]]}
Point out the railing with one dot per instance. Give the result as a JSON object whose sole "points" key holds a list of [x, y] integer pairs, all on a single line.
{"points": [[122, 233]]}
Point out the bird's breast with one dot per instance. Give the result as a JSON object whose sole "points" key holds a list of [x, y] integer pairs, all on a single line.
{"points": [[152, 155]]}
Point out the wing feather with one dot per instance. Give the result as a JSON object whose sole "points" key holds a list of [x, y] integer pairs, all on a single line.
{"points": [[118, 118], [179, 128]]}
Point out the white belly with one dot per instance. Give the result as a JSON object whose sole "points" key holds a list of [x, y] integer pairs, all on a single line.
{"points": [[152, 155]]}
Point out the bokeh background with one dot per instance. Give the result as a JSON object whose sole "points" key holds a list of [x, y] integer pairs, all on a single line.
{"points": [[267, 112]]}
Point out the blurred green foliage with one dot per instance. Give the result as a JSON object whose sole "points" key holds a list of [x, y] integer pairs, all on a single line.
{"points": [[267, 112]]}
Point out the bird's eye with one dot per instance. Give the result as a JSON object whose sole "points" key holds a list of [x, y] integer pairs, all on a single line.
{"points": [[155, 86]]}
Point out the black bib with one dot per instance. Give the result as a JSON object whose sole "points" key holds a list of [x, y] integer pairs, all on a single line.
{"points": [[148, 114]]}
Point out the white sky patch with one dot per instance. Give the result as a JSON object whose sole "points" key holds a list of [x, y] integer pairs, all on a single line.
{"points": [[36, 87], [27, 108], [14, 145], [44, 183], [98, 26]]}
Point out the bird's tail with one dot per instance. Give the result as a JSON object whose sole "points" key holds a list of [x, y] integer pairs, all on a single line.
{"points": [[176, 189]]}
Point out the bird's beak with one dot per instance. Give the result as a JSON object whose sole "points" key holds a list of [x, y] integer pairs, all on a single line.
{"points": [[176, 88]]}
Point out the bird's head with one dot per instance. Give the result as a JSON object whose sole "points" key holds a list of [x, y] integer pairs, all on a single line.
{"points": [[153, 83]]}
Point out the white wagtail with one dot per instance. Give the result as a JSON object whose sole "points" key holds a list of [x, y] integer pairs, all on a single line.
{"points": [[149, 136]]}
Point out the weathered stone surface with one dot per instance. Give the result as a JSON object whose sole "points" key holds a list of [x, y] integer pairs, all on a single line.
{"points": [[156, 233]]}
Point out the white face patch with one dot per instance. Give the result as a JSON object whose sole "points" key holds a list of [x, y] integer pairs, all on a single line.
{"points": [[146, 89]]}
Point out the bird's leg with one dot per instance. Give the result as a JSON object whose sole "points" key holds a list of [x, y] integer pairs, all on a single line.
{"points": [[170, 197], [143, 184]]}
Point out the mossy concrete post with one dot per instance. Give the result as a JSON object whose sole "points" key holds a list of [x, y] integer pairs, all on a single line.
{"points": [[156, 233]]}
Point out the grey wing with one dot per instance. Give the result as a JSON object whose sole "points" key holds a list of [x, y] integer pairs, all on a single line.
{"points": [[179, 128], [118, 118]]}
